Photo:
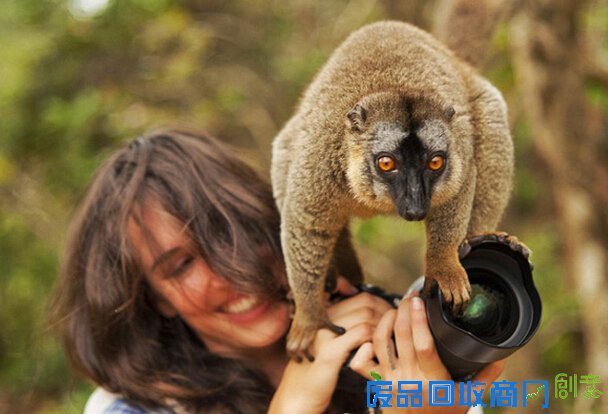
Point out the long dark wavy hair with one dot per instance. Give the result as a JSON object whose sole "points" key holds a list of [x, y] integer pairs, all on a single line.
{"points": [[111, 329]]}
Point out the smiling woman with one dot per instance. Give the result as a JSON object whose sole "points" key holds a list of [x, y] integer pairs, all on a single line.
{"points": [[142, 307], [172, 296]]}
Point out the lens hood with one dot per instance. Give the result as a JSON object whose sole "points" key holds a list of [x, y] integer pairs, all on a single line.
{"points": [[495, 264]]}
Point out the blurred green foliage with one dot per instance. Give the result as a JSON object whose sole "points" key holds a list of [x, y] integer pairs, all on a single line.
{"points": [[72, 87]]}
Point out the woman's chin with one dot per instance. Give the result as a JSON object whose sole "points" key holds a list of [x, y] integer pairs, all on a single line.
{"points": [[269, 328]]}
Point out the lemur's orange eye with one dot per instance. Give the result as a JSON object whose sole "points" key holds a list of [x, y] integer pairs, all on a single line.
{"points": [[436, 163], [386, 163]]}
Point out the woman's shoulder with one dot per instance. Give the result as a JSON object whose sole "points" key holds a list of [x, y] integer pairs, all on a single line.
{"points": [[100, 401], [105, 402]]}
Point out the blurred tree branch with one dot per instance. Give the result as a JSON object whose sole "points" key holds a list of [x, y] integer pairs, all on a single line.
{"points": [[417, 12], [597, 73], [549, 62]]}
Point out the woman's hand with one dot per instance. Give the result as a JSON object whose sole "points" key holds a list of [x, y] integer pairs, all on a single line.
{"points": [[307, 387], [411, 357]]}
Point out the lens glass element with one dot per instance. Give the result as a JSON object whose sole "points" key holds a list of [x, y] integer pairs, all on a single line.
{"points": [[492, 312], [482, 316]]}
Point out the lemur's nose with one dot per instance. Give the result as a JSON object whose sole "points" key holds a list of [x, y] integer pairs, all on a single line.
{"points": [[415, 214]]}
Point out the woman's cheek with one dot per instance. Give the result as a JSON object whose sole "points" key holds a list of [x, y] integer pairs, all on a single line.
{"points": [[193, 287]]}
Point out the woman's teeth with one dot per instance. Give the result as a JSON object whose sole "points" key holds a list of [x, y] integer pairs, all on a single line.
{"points": [[242, 305]]}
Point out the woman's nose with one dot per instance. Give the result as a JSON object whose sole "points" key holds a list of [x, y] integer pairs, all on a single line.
{"points": [[217, 282]]}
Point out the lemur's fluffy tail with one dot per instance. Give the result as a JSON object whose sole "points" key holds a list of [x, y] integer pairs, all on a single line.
{"points": [[467, 26]]}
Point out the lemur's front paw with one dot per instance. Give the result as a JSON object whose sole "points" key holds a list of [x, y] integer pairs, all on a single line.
{"points": [[302, 334], [454, 286], [500, 236]]}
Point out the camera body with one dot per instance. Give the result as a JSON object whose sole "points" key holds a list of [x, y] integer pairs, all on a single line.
{"points": [[502, 316]]}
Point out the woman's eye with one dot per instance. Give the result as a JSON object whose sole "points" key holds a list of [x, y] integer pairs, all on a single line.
{"points": [[182, 265]]}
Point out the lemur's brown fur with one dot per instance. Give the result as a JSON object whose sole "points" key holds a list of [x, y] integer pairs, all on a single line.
{"points": [[387, 83]]}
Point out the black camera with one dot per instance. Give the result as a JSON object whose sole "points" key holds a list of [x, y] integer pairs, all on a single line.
{"points": [[502, 316]]}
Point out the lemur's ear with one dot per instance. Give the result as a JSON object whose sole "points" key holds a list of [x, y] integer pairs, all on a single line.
{"points": [[357, 117], [449, 112]]}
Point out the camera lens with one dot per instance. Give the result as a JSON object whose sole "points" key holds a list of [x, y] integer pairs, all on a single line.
{"points": [[492, 312], [502, 316], [482, 316]]}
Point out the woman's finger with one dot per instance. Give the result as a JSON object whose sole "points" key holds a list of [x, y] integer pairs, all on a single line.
{"points": [[363, 361], [356, 316], [403, 334], [337, 350], [322, 340], [344, 287], [383, 342], [424, 344], [360, 300], [490, 372]]}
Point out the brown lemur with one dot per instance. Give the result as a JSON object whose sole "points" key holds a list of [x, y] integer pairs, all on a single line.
{"points": [[393, 123]]}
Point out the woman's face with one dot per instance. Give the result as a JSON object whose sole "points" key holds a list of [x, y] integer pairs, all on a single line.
{"points": [[229, 322]]}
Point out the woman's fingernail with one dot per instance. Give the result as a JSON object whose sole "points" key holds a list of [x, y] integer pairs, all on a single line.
{"points": [[417, 303]]}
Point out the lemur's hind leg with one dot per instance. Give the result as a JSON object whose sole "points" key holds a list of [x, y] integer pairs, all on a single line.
{"points": [[493, 158], [494, 163]]}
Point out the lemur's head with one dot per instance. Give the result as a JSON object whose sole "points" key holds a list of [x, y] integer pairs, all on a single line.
{"points": [[399, 153]]}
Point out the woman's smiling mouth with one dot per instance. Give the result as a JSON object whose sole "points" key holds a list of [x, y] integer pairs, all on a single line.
{"points": [[241, 305]]}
